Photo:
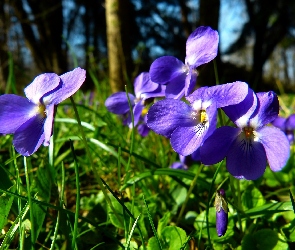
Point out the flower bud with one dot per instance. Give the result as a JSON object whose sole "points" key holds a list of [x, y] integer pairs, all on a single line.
{"points": [[221, 212]]}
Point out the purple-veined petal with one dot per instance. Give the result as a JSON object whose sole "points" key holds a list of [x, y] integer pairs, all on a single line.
{"points": [[70, 83], [243, 111], [143, 129], [246, 159], [118, 103], [279, 122], [48, 124], [29, 136], [276, 146], [186, 140], [290, 122], [216, 146], [15, 110], [190, 81], [166, 115], [268, 109], [201, 46], [41, 85], [228, 94], [143, 84], [166, 68]]}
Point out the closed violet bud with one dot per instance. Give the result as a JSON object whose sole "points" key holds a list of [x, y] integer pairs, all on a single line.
{"points": [[221, 212]]}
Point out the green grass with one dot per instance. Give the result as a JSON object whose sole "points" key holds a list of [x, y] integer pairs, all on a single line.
{"points": [[100, 186]]}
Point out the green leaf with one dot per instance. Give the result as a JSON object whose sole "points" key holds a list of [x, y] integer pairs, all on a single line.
{"points": [[173, 237], [252, 197], [269, 208], [289, 231], [153, 244], [265, 239], [5, 205], [163, 222]]}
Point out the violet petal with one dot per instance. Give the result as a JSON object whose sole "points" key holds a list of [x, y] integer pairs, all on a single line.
{"points": [[290, 122], [201, 46], [166, 115], [186, 140], [279, 122], [166, 68], [118, 103], [71, 82], [29, 136], [276, 146], [216, 147], [143, 84], [268, 109], [246, 159], [190, 81], [143, 129], [15, 110], [41, 85], [48, 124]]}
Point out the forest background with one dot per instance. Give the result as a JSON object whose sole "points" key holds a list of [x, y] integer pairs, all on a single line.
{"points": [[121, 38]]}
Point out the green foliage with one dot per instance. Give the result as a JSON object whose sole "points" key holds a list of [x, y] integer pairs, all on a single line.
{"points": [[139, 201]]}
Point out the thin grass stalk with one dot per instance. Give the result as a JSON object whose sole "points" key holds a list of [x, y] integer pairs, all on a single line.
{"points": [[74, 243], [152, 224], [30, 203], [18, 190], [132, 136], [98, 179], [193, 183], [61, 202]]}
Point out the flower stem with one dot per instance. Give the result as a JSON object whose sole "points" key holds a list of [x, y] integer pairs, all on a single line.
{"points": [[193, 183], [91, 161], [30, 204]]}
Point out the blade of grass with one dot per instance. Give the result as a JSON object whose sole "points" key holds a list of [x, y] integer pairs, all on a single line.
{"points": [[292, 200], [33, 239], [131, 233], [152, 224], [90, 159], [193, 183], [132, 137], [75, 233]]}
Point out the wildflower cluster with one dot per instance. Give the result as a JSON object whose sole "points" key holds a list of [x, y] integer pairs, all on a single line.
{"points": [[191, 125]]}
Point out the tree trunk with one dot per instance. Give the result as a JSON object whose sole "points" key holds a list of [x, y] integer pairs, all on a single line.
{"points": [[117, 44], [46, 42]]}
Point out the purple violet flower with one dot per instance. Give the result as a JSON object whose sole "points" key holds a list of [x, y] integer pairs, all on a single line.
{"points": [[221, 212], [31, 119], [251, 144], [188, 126], [287, 125], [201, 48], [144, 89], [182, 164]]}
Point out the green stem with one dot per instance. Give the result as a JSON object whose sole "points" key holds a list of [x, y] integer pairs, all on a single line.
{"points": [[91, 161], [33, 239], [193, 183], [74, 246]]}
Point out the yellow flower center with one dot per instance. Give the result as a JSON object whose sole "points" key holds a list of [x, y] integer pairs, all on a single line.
{"points": [[144, 111], [203, 116], [42, 110]]}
